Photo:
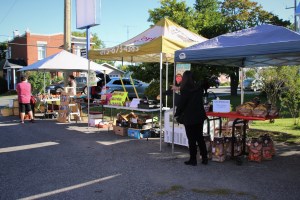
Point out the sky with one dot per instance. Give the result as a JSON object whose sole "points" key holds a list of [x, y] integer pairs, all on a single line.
{"points": [[120, 19]]}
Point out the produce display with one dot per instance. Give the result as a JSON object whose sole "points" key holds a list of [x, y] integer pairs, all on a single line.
{"points": [[218, 152], [255, 109], [261, 148]]}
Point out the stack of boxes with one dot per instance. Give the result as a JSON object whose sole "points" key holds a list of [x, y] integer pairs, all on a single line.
{"points": [[16, 107], [11, 109], [132, 125]]}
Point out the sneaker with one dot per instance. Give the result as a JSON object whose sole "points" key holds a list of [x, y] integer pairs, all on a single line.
{"points": [[22, 122], [32, 121]]}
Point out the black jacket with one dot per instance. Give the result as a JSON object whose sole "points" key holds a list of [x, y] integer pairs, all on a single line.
{"points": [[191, 106]]}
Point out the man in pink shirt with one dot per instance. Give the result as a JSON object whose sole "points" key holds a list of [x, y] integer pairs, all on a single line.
{"points": [[24, 95]]}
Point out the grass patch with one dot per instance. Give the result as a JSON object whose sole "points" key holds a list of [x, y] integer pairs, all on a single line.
{"points": [[173, 188], [282, 130], [222, 192]]}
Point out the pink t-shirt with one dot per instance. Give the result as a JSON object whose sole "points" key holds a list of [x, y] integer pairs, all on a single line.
{"points": [[24, 92]]}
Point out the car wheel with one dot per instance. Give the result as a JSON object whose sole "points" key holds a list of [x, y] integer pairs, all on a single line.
{"points": [[85, 90], [59, 90]]}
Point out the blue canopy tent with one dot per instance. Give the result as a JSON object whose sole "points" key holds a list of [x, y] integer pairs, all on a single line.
{"points": [[265, 45], [261, 46]]}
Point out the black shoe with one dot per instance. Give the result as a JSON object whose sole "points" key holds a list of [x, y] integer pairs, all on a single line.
{"points": [[205, 161], [191, 162], [32, 121]]}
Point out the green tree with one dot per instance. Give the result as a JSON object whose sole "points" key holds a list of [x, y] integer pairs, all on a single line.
{"points": [[272, 82], [36, 79], [209, 19], [98, 43], [176, 11], [290, 95], [250, 73], [3, 49], [241, 14]]}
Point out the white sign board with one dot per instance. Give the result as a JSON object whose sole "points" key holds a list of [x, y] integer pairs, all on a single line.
{"points": [[93, 78], [134, 103], [87, 13], [222, 106]]}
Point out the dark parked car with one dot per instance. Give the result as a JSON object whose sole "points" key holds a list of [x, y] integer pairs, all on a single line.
{"points": [[81, 84], [115, 85]]}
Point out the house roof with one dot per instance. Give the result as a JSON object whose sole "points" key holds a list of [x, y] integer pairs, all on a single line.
{"points": [[12, 64]]}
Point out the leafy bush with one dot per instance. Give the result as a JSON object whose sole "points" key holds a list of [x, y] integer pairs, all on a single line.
{"points": [[36, 79]]}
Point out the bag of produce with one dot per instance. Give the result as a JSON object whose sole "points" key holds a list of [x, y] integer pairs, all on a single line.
{"points": [[260, 111], [268, 149], [218, 153], [255, 150]]}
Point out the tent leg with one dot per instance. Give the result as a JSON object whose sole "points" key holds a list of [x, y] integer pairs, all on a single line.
{"points": [[160, 101], [242, 84], [167, 81], [173, 120], [44, 83], [14, 79]]}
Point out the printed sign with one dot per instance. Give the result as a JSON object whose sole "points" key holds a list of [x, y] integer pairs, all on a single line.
{"points": [[93, 78], [181, 68], [221, 106], [118, 98]]}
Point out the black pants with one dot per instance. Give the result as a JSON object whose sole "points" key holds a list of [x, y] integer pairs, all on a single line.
{"points": [[194, 134]]}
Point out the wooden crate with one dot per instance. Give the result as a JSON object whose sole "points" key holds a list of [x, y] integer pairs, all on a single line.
{"points": [[6, 112], [118, 130], [16, 111]]}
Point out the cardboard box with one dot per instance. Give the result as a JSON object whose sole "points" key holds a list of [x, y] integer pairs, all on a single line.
{"points": [[94, 122], [118, 130], [16, 103], [16, 111], [6, 112]]}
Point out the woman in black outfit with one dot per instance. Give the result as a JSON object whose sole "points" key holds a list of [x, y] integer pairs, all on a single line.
{"points": [[192, 110]]}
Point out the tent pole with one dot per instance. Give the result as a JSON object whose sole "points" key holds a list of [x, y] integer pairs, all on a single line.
{"points": [[160, 101], [44, 83], [173, 124], [88, 77], [14, 78], [167, 81], [242, 84]]}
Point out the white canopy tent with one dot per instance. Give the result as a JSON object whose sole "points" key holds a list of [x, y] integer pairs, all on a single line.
{"points": [[65, 60]]}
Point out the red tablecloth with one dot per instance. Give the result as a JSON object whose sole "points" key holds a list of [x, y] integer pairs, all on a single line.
{"points": [[234, 115]]}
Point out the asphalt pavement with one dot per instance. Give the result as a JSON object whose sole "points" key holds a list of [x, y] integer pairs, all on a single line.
{"points": [[49, 160]]}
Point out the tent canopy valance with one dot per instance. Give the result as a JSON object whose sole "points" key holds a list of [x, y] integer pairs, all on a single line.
{"points": [[265, 45], [65, 60], [164, 37]]}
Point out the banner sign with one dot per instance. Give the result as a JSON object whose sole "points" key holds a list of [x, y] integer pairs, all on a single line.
{"points": [[118, 98]]}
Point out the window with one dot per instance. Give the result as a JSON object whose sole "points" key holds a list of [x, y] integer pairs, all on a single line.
{"points": [[41, 46]]}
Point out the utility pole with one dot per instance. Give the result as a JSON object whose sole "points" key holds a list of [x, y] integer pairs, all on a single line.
{"points": [[67, 33], [67, 25], [295, 17]]}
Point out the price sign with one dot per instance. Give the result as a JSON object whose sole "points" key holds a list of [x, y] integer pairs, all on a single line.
{"points": [[118, 98], [221, 106]]}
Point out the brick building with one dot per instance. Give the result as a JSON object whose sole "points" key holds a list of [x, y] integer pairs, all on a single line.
{"points": [[30, 47]]}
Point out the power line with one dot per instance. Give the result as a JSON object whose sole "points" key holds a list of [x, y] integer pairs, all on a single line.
{"points": [[11, 7]]}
